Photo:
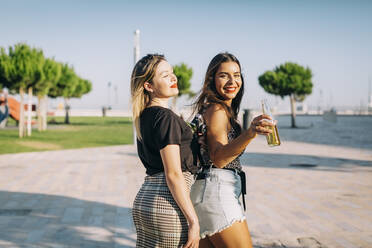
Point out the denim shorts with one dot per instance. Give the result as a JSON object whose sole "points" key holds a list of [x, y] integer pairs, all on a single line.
{"points": [[216, 200]]}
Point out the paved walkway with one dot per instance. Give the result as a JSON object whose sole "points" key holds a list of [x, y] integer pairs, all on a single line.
{"points": [[82, 198]]}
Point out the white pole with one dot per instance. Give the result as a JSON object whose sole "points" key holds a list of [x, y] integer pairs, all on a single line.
{"points": [[29, 111], [136, 46], [21, 123], [136, 58], [369, 108], [108, 96]]}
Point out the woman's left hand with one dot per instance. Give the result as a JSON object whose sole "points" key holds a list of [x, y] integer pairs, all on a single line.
{"points": [[260, 125], [193, 236]]}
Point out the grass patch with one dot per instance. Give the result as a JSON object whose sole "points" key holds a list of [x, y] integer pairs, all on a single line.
{"points": [[82, 132]]}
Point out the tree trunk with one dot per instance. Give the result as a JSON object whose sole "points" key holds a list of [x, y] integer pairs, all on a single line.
{"points": [[29, 112], [67, 109], [45, 113], [293, 111], [21, 122]]}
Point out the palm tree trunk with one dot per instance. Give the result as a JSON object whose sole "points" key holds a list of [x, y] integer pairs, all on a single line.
{"points": [[293, 111]]}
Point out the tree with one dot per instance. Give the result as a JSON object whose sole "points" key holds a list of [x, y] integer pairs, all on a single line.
{"points": [[288, 79], [4, 82], [5, 69], [83, 87], [52, 71], [69, 86], [184, 75], [24, 72], [65, 87], [25, 68]]}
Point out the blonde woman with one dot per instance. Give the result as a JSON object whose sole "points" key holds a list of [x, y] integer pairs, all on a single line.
{"points": [[162, 210]]}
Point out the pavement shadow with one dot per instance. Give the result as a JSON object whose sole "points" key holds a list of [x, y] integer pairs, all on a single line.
{"points": [[133, 154], [42, 220], [303, 162]]}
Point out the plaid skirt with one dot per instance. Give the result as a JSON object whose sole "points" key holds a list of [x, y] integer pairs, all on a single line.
{"points": [[158, 220]]}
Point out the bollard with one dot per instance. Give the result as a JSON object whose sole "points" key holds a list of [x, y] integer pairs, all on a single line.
{"points": [[246, 118], [104, 111]]}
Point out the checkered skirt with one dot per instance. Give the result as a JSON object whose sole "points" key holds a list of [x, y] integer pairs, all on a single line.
{"points": [[158, 220]]}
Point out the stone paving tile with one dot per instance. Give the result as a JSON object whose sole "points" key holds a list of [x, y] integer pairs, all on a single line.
{"points": [[35, 236], [32, 223], [16, 223], [95, 221], [72, 215]]}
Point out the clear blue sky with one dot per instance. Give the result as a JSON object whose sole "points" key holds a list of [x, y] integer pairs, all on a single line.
{"points": [[333, 38]]}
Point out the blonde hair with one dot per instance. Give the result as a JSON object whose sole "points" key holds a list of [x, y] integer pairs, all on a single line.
{"points": [[143, 71]]}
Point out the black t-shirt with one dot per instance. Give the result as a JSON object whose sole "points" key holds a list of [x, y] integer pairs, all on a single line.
{"points": [[160, 127]]}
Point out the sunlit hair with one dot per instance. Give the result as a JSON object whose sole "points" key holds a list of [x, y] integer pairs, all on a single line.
{"points": [[143, 71], [208, 94]]}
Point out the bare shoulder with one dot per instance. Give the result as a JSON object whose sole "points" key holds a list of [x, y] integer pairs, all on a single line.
{"points": [[216, 114], [214, 107]]}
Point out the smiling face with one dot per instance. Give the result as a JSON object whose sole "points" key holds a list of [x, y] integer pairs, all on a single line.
{"points": [[228, 81], [164, 82]]}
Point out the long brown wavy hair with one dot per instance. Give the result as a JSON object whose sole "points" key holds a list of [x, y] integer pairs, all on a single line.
{"points": [[208, 94], [143, 71]]}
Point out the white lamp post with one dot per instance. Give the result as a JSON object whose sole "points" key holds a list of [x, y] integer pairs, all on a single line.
{"points": [[136, 58]]}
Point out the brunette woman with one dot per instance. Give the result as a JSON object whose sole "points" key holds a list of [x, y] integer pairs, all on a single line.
{"points": [[218, 186]]}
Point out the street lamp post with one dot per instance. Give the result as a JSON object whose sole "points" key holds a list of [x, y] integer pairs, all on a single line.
{"points": [[136, 58], [108, 95], [136, 45], [116, 94]]}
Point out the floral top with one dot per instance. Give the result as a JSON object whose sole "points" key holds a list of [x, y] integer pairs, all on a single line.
{"points": [[200, 129]]}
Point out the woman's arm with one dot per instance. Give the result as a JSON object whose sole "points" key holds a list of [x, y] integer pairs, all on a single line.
{"points": [[221, 151], [176, 183]]}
